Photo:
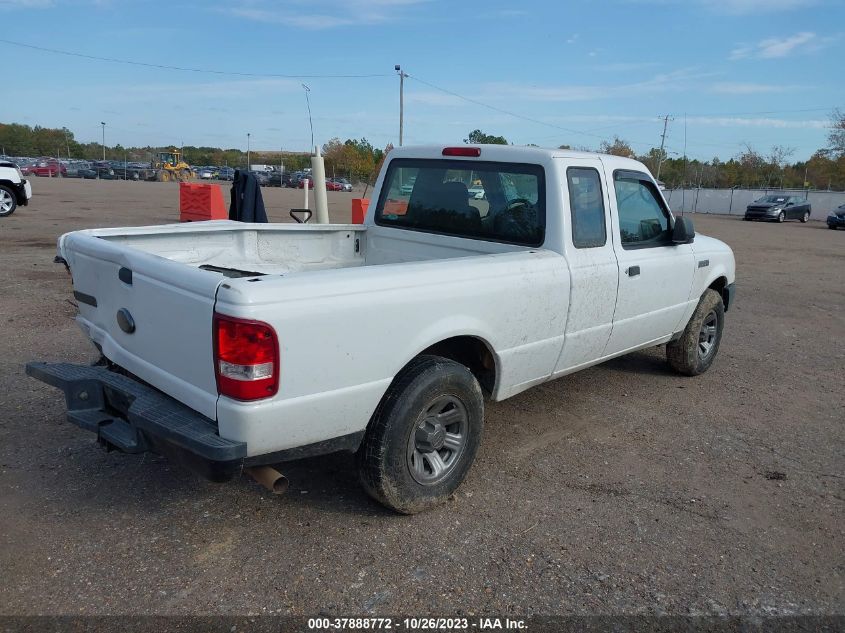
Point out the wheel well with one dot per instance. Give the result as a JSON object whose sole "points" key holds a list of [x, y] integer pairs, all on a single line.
{"points": [[720, 286], [471, 352]]}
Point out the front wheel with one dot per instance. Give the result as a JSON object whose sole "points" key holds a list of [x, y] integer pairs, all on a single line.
{"points": [[806, 217], [781, 216], [423, 437], [694, 352], [8, 201]]}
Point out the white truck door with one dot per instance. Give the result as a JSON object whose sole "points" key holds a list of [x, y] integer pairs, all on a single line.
{"points": [[655, 275], [594, 273]]}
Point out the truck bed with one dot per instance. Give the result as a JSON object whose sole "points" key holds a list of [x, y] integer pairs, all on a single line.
{"points": [[235, 249]]}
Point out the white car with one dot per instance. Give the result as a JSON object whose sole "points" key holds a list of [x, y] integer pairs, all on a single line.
{"points": [[386, 338], [476, 192], [15, 190], [206, 174]]}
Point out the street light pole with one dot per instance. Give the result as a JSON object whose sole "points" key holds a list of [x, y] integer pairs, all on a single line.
{"points": [[247, 151], [103, 123], [402, 74]]}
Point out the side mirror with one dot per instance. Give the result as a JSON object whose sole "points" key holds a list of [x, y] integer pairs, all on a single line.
{"points": [[789, 204], [683, 231]]}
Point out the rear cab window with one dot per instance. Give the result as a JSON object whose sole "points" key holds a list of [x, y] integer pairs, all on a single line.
{"points": [[501, 202]]}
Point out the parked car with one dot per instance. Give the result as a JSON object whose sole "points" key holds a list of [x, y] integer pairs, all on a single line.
{"points": [[778, 207], [206, 173], [45, 167], [331, 185], [237, 383], [345, 185], [74, 167], [262, 177], [226, 173], [15, 190], [279, 179], [836, 218], [305, 179]]}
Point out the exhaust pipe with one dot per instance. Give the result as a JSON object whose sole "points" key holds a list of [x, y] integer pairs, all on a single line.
{"points": [[270, 478]]}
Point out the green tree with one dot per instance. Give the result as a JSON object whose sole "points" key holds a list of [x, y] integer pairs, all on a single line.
{"points": [[836, 136], [477, 137], [617, 147]]}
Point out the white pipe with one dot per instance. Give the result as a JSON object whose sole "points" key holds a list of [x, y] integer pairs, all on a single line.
{"points": [[305, 186], [318, 170]]}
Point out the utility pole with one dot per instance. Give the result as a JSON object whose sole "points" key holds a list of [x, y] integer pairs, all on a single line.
{"points": [[402, 74], [103, 123], [247, 151], [662, 143]]}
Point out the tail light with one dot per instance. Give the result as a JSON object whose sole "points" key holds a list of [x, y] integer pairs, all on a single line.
{"points": [[246, 358], [462, 151]]}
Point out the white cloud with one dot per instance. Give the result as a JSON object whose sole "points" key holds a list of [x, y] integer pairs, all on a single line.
{"points": [[776, 47], [738, 7], [434, 99], [572, 39], [745, 7], [744, 88], [26, 4], [759, 122], [321, 14], [662, 82]]}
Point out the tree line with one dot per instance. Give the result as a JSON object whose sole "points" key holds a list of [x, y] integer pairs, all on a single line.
{"points": [[359, 161]]}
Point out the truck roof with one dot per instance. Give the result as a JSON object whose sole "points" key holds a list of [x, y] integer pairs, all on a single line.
{"points": [[514, 153]]}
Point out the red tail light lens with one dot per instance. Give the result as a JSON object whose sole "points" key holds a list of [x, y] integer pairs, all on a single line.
{"points": [[246, 358], [462, 151]]}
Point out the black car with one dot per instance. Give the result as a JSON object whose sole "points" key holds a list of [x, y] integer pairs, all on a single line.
{"points": [[262, 177], [836, 217], [278, 179], [779, 207]]}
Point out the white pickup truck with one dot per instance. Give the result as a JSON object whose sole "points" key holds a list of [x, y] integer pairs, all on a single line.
{"points": [[234, 346]]}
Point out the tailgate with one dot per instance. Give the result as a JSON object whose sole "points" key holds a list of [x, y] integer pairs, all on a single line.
{"points": [[150, 315]]}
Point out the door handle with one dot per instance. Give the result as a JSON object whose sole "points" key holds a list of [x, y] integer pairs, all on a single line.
{"points": [[633, 271]]}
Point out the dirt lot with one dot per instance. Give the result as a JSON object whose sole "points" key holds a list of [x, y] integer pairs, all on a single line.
{"points": [[621, 489]]}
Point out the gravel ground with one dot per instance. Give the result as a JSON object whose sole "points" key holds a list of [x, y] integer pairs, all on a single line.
{"points": [[621, 489]]}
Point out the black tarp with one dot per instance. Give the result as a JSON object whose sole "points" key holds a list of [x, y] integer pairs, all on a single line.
{"points": [[247, 205]]}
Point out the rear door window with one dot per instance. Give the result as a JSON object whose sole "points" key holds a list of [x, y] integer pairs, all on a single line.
{"points": [[503, 202]]}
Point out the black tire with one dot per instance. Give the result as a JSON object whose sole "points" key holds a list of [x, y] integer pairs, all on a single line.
{"points": [[781, 216], [688, 355], [391, 449], [806, 217], [8, 201]]}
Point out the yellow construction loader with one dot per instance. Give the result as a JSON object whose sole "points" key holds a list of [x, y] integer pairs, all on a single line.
{"points": [[170, 167]]}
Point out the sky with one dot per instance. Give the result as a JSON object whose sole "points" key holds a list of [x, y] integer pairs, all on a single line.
{"points": [[727, 72]]}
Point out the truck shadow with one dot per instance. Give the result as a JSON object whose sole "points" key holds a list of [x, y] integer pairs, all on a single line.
{"points": [[651, 361]]}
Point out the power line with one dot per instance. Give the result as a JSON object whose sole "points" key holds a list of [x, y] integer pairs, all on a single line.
{"points": [[208, 71], [514, 114]]}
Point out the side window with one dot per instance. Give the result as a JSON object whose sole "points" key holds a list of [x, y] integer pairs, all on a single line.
{"points": [[643, 221], [586, 206]]}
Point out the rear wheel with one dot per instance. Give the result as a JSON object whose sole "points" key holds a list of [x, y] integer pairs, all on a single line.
{"points": [[423, 437], [806, 217], [8, 201], [781, 216], [695, 350]]}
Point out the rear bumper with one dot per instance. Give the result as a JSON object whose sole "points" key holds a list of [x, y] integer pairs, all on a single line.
{"points": [[131, 417]]}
